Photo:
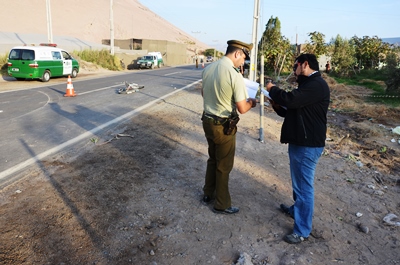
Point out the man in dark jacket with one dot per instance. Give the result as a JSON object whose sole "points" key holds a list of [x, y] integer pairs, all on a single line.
{"points": [[304, 129]]}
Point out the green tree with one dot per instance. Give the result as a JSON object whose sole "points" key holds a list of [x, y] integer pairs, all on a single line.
{"points": [[343, 56], [370, 51], [209, 52], [393, 73], [275, 47], [317, 44], [213, 52]]}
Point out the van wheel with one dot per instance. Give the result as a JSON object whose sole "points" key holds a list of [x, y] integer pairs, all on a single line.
{"points": [[74, 73], [46, 76]]}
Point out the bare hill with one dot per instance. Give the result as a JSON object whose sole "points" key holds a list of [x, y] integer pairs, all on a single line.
{"points": [[90, 20]]}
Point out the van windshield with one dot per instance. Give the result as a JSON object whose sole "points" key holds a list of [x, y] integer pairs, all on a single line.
{"points": [[148, 57]]}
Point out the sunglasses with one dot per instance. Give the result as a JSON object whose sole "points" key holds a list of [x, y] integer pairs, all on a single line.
{"points": [[246, 52], [295, 66]]}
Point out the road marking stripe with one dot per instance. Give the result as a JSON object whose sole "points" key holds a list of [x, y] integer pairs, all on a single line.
{"points": [[172, 73], [99, 89], [85, 135]]}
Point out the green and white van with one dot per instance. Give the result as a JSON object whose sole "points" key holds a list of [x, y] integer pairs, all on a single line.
{"points": [[151, 60], [41, 62]]}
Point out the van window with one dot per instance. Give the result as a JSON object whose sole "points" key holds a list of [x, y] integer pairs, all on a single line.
{"points": [[28, 55], [22, 54], [15, 54], [66, 55], [56, 55]]}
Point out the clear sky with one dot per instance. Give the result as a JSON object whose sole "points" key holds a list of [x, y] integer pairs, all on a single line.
{"points": [[215, 21]]}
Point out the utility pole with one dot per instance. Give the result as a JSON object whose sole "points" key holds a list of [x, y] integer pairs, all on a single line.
{"points": [[261, 131], [215, 50], [111, 27], [49, 27], [253, 53], [196, 32], [196, 58]]}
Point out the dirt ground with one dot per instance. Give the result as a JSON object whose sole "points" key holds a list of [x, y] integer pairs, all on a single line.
{"points": [[136, 199]]}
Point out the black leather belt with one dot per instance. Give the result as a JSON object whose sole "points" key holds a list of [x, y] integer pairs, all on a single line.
{"points": [[216, 119]]}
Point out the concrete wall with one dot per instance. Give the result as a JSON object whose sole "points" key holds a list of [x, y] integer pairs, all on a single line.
{"points": [[173, 53], [128, 44], [130, 57], [131, 49]]}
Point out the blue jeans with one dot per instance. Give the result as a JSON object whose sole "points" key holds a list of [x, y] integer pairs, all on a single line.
{"points": [[303, 161]]}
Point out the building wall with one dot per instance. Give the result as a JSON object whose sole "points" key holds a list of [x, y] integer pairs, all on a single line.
{"points": [[173, 53], [131, 49]]}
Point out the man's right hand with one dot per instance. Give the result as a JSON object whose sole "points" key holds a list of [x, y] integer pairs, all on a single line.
{"points": [[245, 105], [269, 85]]}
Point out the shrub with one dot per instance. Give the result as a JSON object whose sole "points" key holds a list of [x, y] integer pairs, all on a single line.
{"points": [[102, 58], [393, 75], [3, 63]]}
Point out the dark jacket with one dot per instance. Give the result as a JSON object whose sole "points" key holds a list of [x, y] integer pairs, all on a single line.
{"points": [[305, 116]]}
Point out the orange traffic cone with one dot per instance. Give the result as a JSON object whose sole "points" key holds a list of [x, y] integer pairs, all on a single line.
{"points": [[70, 88]]}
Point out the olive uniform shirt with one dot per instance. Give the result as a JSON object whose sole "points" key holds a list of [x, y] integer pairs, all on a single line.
{"points": [[223, 86]]}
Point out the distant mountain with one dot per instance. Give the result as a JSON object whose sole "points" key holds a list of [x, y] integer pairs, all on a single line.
{"points": [[395, 41]]}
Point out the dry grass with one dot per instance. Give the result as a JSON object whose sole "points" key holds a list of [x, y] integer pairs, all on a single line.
{"points": [[353, 100]]}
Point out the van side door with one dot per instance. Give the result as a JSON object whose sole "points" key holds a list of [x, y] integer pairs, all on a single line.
{"points": [[57, 69], [67, 63]]}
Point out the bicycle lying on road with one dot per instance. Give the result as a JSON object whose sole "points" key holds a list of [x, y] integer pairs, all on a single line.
{"points": [[130, 88]]}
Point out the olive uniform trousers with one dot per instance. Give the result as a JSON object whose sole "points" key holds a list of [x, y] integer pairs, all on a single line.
{"points": [[221, 151]]}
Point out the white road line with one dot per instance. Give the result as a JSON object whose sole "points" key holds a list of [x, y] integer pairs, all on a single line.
{"points": [[85, 135], [172, 73], [103, 88], [39, 108]]}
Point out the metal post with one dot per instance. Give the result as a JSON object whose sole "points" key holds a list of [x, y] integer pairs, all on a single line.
{"points": [[261, 138], [215, 50], [49, 27], [111, 27], [253, 54]]}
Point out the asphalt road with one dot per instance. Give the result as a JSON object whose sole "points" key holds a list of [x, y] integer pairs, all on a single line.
{"points": [[38, 122]]}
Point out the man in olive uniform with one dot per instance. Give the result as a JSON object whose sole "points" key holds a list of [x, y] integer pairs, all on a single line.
{"points": [[224, 93]]}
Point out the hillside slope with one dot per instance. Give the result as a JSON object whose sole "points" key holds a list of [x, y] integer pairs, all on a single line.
{"points": [[90, 20]]}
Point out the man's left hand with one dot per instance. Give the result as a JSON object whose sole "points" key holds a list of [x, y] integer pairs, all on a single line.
{"points": [[253, 102]]}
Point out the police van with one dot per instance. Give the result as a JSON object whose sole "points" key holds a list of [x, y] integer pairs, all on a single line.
{"points": [[151, 60], [41, 62]]}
